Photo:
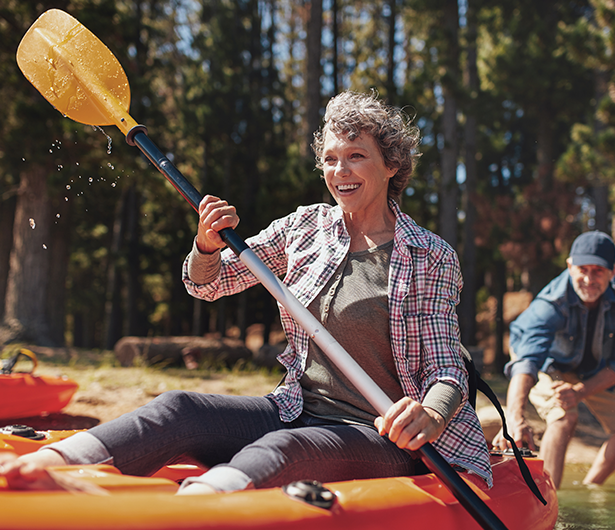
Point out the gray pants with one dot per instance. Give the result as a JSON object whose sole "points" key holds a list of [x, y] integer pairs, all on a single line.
{"points": [[245, 443]]}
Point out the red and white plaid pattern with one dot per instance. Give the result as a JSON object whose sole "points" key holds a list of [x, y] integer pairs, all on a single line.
{"points": [[307, 247]]}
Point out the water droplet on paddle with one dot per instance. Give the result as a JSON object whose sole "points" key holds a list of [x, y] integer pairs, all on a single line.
{"points": [[23, 159], [110, 165], [60, 167], [32, 223], [76, 163], [113, 184], [109, 140], [68, 186], [44, 246], [66, 199], [91, 180]]}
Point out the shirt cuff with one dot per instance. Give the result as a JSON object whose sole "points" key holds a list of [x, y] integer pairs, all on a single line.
{"points": [[203, 268], [81, 448], [222, 478], [444, 398]]}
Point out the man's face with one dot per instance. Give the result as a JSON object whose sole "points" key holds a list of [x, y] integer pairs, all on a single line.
{"points": [[589, 281]]}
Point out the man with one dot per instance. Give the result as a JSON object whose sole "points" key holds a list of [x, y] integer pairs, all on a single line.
{"points": [[562, 353]]}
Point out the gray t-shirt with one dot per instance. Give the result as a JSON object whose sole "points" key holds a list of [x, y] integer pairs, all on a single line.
{"points": [[353, 306]]}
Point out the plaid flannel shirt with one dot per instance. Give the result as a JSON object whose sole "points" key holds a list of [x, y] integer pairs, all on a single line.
{"points": [[306, 247]]}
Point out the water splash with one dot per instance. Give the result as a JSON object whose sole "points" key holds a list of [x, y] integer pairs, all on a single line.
{"points": [[109, 140], [32, 223]]}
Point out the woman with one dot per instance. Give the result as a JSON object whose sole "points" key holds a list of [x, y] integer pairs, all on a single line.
{"points": [[384, 287]]}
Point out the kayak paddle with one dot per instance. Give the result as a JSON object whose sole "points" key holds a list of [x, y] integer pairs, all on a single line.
{"points": [[82, 79]]}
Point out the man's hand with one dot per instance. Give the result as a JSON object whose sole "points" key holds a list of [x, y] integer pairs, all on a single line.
{"points": [[519, 429], [566, 395], [521, 433]]}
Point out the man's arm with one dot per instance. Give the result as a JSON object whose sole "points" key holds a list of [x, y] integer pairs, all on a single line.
{"points": [[516, 399]]}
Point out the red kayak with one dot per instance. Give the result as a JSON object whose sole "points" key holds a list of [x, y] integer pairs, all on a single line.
{"points": [[24, 394]]}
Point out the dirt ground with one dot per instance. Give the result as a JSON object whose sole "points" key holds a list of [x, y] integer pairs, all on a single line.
{"points": [[107, 391]]}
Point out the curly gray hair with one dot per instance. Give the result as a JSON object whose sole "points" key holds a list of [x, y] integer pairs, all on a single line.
{"points": [[352, 113]]}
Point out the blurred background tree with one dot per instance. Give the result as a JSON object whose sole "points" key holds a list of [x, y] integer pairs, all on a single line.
{"points": [[515, 102]]}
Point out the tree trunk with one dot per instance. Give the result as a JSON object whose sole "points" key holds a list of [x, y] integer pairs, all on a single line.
{"points": [[314, 51], [7, 216], [25, 311], [467, 307], [600, 190], [59, 254], [113, 303], [540, 274], [448, 178], [391, 90], [335, 46], [134, 325]]}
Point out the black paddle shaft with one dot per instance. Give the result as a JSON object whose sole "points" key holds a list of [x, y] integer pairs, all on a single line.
{"points": [[138, 136], [481, 513]]}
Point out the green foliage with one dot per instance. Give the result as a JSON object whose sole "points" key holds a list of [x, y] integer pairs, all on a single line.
{"points": [[220, 85]]}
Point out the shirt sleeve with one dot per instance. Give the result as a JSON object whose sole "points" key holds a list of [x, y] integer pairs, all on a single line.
{"points": [[202, 268], [440, 354], [233, 276], [532, 335], [444, 398]]}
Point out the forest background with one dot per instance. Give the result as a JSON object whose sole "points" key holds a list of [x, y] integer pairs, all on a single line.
{"points": [[515, 101]]}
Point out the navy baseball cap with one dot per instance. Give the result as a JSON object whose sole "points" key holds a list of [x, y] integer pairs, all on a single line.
{"points": [[593, 248]]}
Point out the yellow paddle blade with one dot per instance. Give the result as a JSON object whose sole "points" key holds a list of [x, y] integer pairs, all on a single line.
{"points": [[75, 71]]}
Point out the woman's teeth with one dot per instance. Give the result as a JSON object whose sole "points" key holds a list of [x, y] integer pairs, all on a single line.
{"points": [[347, 187]]}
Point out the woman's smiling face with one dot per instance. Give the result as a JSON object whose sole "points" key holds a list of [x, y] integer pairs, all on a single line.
{"points": [[355, 173]]}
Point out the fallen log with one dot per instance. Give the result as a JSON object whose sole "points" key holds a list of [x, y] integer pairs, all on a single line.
{"points": [[188, 351]]}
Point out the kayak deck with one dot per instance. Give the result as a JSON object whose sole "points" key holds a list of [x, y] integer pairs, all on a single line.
{"points": [[150, 503]]}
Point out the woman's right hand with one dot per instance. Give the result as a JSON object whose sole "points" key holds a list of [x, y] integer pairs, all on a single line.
{"points": [[214, 215], [29, 473]]}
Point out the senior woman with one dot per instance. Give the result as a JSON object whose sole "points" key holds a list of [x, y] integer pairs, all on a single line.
{"points": [[383, 286]]}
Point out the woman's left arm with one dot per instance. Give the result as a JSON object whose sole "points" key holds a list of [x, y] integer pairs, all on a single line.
{"points": [[409, 423]]}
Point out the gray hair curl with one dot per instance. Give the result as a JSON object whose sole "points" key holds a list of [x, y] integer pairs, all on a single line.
{"points": [[352, 114]]}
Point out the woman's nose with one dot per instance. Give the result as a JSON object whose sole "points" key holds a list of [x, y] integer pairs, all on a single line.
{"points": [[341, 168]]}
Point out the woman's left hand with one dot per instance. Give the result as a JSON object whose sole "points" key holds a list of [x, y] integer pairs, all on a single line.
{"points": [[410, 425]]}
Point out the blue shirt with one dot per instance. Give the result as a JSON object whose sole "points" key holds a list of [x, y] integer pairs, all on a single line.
{"points": [[551, 332]]}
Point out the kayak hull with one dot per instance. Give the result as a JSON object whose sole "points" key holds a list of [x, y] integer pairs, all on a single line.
{"points": [[23, 395], [150, 503]]}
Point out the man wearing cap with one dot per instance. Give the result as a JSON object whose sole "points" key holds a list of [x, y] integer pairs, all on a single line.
{"points": [[562, 353]]}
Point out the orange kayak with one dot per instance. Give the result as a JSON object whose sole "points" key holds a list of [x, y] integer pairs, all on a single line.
{"points": [[149, 502]]}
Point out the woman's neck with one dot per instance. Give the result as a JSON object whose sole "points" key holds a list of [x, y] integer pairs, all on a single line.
{"points": [[365, 234]]}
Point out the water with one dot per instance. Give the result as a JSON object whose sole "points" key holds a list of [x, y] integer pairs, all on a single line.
{"points": [[585, 507]]}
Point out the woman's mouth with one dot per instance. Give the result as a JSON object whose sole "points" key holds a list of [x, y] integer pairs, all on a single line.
{"points": [[347, 187]]}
